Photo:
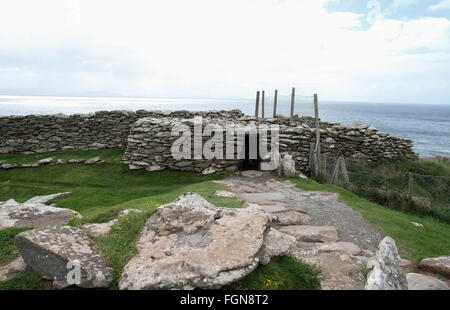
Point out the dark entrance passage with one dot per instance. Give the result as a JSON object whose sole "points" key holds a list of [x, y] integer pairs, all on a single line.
{"points": [[247, 163]]}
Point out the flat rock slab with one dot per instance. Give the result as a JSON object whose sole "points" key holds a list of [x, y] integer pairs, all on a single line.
{"points": [[339, 271], [227, 194], [440, 265], [251, 174], [292, 218], [191, 243], [324, 208], [34, 213], [56, 253], [312, 233], [417, 281], [262, 197], [12, 269]]}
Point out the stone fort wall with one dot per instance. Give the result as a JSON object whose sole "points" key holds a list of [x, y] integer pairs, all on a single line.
{"points": [[147, 137]]}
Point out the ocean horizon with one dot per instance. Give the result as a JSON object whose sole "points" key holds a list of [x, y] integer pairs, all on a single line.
{"points": [[428, 125]]}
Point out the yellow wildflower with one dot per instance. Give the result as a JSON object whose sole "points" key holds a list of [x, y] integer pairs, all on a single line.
{"points": [[125, 219]]}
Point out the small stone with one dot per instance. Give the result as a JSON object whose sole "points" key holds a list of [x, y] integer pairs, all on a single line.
{"points": [[98, 229], [45, 161], [225, 194], [12, 269], [92, 161], [417, 281], [439, 265], [9, 166], [209, 171]]}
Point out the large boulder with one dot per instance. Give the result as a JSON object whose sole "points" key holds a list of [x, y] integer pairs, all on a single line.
{"points": [[191, 243], [387, 274], [312, 233], [34, 213], [440, 265], [65, 255], [417, 281]]}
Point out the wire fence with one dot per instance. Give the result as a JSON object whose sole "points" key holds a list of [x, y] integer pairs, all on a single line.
{"points": [[424, 194]]}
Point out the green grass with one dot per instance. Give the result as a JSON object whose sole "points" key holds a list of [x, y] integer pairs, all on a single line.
{"points": [[109, 155], [430, 241], [282, 273], [99, 192], [437, 166], [28, 280], [7, 249]]}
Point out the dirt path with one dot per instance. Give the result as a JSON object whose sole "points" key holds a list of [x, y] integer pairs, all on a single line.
{"points": [[275, 195]]}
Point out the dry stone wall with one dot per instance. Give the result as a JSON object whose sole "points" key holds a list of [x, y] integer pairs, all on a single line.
{"points": [[150, 141], [104, 129]]}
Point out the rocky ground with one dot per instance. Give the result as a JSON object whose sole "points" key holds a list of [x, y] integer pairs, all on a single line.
{"points": [[331, 235], [191, 243]]}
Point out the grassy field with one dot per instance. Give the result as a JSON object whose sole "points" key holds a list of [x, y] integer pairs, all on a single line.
{"points": [[100, 191], [419, 187], [416, 243]]}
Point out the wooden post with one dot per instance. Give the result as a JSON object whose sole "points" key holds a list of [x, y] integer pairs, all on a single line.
{"points": [[292, 104], [262, 105], [410, 186], [257, 104], [348, 186], [317, 149], [311, 159], [275, 99], [324, 168]]}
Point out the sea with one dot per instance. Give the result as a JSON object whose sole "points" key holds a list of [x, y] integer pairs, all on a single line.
{"points": [[428, 125]]}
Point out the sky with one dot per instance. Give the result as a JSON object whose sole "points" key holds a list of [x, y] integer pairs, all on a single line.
{"points": [[344, 50]]}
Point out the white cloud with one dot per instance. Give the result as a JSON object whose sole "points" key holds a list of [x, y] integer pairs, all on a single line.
{"points": [[207, 48], [444, 4]]}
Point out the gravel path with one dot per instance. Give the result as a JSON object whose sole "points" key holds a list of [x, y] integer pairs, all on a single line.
{"points": [[323, 208]]}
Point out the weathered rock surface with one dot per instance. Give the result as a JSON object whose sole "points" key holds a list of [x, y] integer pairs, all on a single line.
{"points": [[312, 233], [417, 281], [93, 160], [440, 265], [288, 166], [98, 229], [340, 271], [190, 243], [34, 213], [275, 244], [45, 161], [12, 269], [387, 273], [225, 194], [51, 251], [292, 218]]}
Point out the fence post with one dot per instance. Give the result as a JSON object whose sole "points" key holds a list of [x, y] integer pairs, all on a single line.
{"points": [[292, 104], [345, 174], [257, 104], [324, 168], [410, 186], [317, 149], [262, 105], [275, 99]]}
